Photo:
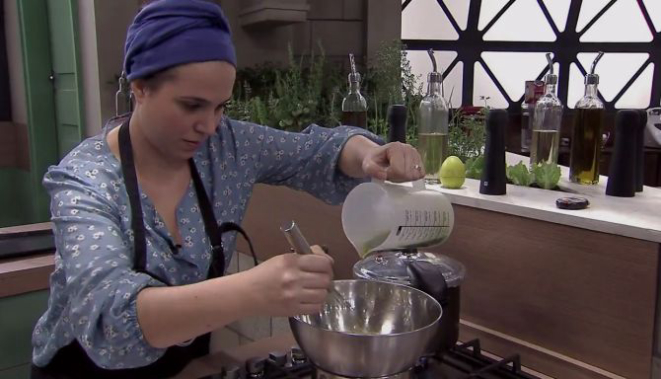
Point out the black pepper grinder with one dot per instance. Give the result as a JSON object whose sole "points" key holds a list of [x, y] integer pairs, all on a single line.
{"points": [[494, 179], [640, 150], [397, 123], [622, 172]]}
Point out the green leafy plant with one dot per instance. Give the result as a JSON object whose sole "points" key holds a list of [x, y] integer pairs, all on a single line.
{"points": [[390, 80], [308, 90], [474, 167], [289, 98], [544, 175], [467, 134], [547, 175], [519, 175]]}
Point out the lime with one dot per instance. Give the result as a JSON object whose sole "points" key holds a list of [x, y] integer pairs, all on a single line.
{"points": [[452, 173]]}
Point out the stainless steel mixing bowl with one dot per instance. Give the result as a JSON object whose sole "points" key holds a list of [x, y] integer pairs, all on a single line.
{"points": [[382, 330]]}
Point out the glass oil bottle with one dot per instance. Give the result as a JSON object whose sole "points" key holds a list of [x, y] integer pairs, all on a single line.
{"points": [[547, 122], [433, 119], [586, 136], [534, 90], [354, 105], [123, 96]]}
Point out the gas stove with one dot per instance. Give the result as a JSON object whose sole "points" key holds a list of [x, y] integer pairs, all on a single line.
{"points": [[464, 361]]}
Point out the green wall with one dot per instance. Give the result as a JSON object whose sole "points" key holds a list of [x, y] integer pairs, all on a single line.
{"points": [[18, 315], [15, 196]]}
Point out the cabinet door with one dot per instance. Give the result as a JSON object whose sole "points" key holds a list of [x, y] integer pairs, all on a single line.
{"points": [[49, 30], [63, 20]]}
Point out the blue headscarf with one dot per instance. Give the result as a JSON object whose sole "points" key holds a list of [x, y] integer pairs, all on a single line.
{"points": [[168, 33]]}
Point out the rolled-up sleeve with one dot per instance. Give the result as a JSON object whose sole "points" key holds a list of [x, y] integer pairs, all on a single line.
{"points": [[101, 285], [306, 161]]}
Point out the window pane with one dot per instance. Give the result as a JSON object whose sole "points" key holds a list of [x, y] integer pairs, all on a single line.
{"points": [[488, 11], [614, 70], [513, 69], [654, 10], [589, 9], [559, 10], [523, 21], [485, 90], [459, 10], [453, 85], [623, 22], [640, 92], [576, 86], [424, 19]]}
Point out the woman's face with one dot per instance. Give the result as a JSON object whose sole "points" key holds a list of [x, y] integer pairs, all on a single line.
{"points": [[185, 107]]}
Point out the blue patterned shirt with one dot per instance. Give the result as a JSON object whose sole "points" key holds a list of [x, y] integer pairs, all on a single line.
{"points": [[93, 289]]}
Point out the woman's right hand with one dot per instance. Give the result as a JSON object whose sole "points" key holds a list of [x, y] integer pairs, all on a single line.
{"points": [[292, 284]]}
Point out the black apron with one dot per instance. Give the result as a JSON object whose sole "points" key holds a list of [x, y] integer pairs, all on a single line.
{"points": [[71, 361]]}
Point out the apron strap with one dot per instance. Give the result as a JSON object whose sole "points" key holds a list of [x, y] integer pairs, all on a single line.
{"points": [[232, 227], [217, 266], [131, 182], [214, 231]]}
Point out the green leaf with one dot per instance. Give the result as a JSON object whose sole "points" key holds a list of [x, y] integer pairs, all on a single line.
{"points": [[519, 175], [466, 135], [547, 175], [474, 167]]}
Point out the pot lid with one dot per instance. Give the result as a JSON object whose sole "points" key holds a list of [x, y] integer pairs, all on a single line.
{"points": [[391, 266]]}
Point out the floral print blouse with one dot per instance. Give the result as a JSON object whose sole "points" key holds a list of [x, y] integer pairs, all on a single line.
{"points": [[93, 289]]}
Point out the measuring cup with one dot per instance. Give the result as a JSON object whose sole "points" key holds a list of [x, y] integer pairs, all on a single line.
{"points": [[386, 216]]}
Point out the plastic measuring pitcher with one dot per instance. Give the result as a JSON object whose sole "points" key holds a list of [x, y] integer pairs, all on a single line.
{"points": [[386, 216]]}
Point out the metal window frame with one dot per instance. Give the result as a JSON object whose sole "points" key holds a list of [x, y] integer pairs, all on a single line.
{"points": [[471, 44]]}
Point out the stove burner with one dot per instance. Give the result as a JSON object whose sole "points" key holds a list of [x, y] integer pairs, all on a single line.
{"points": [[464, 361], [323, 375]]}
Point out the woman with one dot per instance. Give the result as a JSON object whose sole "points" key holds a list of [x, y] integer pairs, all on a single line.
{"points": [[138, 282]]}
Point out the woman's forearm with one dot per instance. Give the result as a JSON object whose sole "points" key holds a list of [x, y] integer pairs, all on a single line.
{"points": [[353, 154], [172, 315]]}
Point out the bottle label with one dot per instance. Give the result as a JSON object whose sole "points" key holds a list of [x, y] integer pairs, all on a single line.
{"points": [[535, 89]]}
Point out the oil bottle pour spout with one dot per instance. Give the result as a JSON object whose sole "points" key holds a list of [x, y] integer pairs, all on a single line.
{"points": [[596, 60]]}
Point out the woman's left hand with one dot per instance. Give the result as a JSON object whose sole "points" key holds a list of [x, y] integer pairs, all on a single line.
{"points": [[395, 162]]}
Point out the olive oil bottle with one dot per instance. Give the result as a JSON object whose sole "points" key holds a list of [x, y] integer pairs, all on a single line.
{"points": [[586, 137]]}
